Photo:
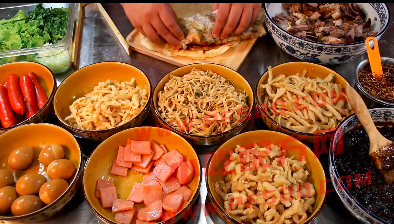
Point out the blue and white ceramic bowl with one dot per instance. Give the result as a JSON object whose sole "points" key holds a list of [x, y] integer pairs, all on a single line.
{"points": [[354, 207], [327, 54]]}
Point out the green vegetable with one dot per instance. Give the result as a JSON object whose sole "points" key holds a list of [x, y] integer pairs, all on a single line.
{"points": [[43, 25], [110, 83], [199, 94]]}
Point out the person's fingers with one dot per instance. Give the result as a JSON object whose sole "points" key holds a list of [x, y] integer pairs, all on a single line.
{"points": [[246, 17], [169, 20], [215, 6], [256, 11], [221, 18], [151, 33], [232, 21], [164, 32]]}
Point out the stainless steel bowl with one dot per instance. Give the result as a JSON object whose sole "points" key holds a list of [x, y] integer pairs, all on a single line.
{"points": [[370, 100]]}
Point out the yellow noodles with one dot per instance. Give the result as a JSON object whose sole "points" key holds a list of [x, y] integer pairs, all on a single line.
{"points": [[109, 105], [304, 104], [202, 103], [262, 186]]}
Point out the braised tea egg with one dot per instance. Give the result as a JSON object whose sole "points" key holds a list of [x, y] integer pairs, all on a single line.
{"points": [[60, 169], [6, 178], [52, 190], [21, 158], [7, 197], [26, 204], [30, 183], [50, 153]]}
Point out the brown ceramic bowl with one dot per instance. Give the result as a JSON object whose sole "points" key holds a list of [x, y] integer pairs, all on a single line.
{"points": [[83, 80], [37, 136], [46, 79], [239, 81], [98, 167], [292, 68], [292, 146]]}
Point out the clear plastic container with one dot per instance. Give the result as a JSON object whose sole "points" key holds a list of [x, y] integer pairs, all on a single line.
{"points": [[56, 57]]}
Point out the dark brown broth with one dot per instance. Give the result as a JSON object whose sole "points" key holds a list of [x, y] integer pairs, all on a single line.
{"points": [[377, 197]]}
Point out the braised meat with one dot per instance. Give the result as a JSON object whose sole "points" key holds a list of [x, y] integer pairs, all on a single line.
{"points": [[329, 23]]}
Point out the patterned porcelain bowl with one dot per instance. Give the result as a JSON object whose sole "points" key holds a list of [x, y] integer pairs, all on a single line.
{"points": [[239, 81], [293, 147], [370, 100], [83, 80], [34, 135], [328, 54], [355, 208], [291, 68], [46, 79]]}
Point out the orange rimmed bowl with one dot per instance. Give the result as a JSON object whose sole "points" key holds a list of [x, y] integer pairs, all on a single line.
{"points": [[83, 80], [293, 148], [287, 69], [47, 81], [98, 167], [207, 140], [34, 135]]}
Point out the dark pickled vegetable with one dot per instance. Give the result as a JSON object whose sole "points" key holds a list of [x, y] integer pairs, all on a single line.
{"points": [[376, 196]]}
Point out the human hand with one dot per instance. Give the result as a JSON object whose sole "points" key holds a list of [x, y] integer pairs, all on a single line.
{"points": [[154, 20], [234, 18]]}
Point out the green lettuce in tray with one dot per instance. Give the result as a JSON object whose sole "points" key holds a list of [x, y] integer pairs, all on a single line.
{"points": [[42, 26]]}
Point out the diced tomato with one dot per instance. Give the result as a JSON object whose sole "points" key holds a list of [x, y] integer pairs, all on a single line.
{"points": [[125, 217], [121, 205], [173, 202], [120, 158], [150, 179], [142, 222], [152, 193], [151, 212], [130, 156], [118, 170], [185, 172], [108, 196], [141, 147], [103, 184], [162, 172], [158, 161], [185, 191], [158, 151], [171, 185], [137, 193], [173, 158], [145, 160], [143, 170], [164, 147]]}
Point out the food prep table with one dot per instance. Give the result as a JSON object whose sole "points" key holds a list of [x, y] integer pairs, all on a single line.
{"points": [[99, 43]]}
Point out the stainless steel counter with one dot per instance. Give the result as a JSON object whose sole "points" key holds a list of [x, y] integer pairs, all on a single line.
{"points": [[100, 44]]}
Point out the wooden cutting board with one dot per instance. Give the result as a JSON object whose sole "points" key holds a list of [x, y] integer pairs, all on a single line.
{"points": [[232, 58]]}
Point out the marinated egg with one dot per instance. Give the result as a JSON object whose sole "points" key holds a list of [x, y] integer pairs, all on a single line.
{"points": [[60, 169], [50, 153], [21, 158], [30, 183], [52, 190], [26, 204], [6, 178], [7, 197]]}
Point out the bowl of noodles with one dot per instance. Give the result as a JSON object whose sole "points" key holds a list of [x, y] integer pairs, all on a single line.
{"points": [[102, 99], [302, 99], [205, 103]]}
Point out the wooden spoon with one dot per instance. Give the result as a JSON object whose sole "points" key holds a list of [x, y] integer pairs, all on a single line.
{"points": [[374, 56], [381, 150]]}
